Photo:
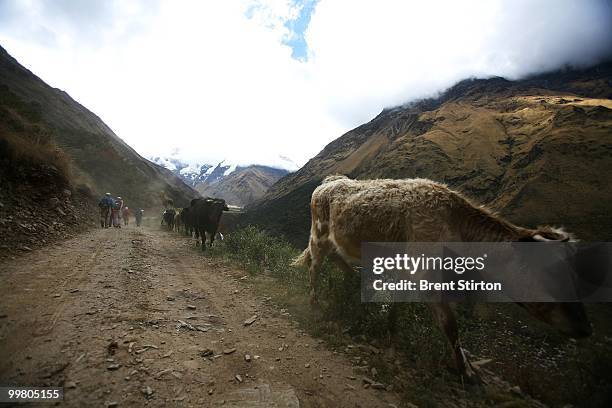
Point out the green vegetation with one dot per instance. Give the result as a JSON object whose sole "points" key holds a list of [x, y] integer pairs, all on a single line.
{"points": [[260, 253], [414, 356]]}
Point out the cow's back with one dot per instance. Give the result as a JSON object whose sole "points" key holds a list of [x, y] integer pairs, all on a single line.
{"points": [[358, 211]]}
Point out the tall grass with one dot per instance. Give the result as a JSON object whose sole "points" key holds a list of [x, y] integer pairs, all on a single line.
{"points": [[258, 252], [34, 150]]}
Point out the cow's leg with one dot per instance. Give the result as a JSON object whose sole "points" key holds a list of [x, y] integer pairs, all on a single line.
{"points": [[447, 322], [343, 265], [315, 265], [212, 237], [204, 235], [318, 250]]}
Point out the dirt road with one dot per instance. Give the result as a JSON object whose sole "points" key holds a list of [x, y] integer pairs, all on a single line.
{"points": [[135, 316]]}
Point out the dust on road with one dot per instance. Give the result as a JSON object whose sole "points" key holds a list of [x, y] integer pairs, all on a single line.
{"points": [[137, 316]]}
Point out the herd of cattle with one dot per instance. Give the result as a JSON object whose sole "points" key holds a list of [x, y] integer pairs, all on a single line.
{"points": [[200, 218]]}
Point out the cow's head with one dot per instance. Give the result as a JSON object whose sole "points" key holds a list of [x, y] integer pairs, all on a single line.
{"points": [[569, 318], [222, 203]]}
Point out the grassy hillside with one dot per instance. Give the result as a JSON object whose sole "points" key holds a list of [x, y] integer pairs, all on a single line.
{"points": [[31, 109], [539, 151]]}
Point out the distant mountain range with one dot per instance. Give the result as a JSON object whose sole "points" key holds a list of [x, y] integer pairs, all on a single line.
{"points": [[238, 185]]}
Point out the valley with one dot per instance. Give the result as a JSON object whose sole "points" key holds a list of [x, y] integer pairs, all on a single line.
{"points": [[140, 316]]}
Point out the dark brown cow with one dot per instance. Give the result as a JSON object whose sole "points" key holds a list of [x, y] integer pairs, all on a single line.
{"points": [[186, 219], [168, 218], [206, 214]]}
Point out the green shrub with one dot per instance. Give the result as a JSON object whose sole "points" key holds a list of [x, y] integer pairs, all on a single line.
{"points": [[259, 252]]}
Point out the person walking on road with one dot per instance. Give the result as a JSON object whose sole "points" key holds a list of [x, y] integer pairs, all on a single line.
{"points": [[126, 216], [116, 212], [120, 212], [138, 215], [105, 204]]}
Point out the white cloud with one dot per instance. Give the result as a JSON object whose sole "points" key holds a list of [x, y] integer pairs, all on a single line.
{"points": [[217, 80], [370, 55]]}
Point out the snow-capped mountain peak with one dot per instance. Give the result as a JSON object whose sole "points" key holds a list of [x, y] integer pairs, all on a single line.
{"points": [[224, 180], [197, 173]]}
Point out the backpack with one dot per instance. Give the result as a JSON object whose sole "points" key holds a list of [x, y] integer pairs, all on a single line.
{"points": [[105, 202], [116, 205]]}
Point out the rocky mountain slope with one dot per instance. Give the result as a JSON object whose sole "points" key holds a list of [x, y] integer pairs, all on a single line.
{"points": [[242, 186], [238, 185], [38, 202], [31, 109], [538, 150]]}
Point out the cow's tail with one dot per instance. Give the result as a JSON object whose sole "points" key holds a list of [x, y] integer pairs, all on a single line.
{"points": [[303, 259]]}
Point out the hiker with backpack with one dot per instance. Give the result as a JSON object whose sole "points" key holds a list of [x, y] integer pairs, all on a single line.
{"points": [[116, 212], [105, 205]]}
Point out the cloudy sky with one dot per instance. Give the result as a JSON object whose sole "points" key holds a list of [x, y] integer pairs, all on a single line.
{"points": [[252, 80]]}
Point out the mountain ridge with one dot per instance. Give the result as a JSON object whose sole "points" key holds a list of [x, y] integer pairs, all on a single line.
{"points": [[518, 146], [244, 185], [239, 185], [99, 157]]}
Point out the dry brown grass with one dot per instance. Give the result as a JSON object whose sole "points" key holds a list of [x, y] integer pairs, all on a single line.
{"points": [[34, 151]]}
